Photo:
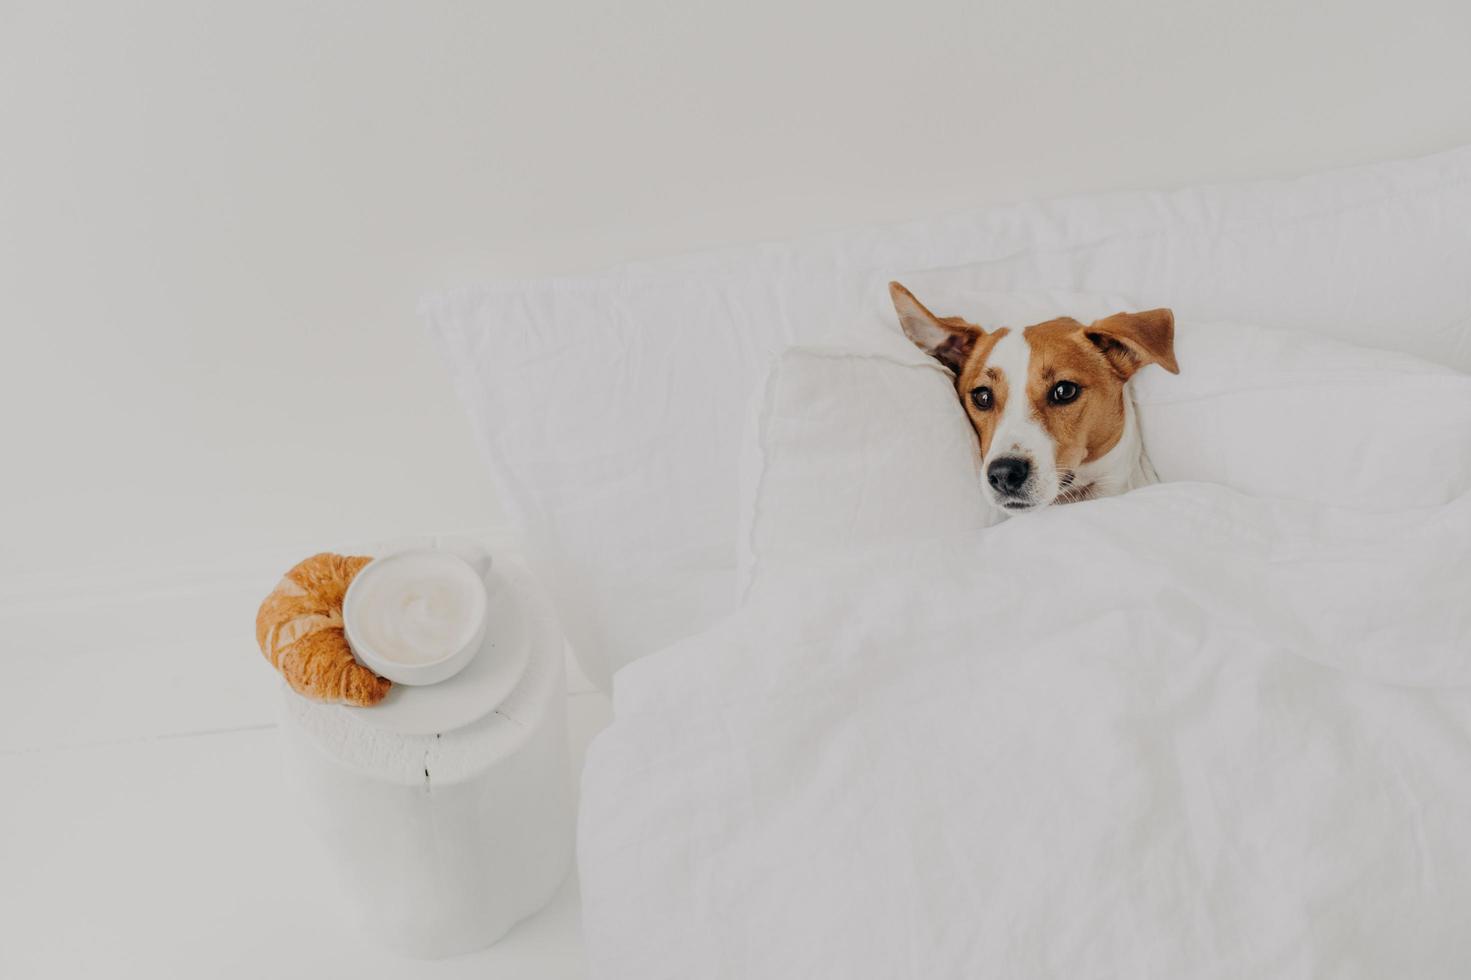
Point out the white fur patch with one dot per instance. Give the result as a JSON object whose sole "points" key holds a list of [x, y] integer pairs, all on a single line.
{"points": [[1018, 432]]}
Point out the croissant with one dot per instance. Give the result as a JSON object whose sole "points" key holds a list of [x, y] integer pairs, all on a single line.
{"points": [[299, 629]]}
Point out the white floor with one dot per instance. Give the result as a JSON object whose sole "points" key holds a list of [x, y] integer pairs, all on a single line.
{"points": [[145, 829]]}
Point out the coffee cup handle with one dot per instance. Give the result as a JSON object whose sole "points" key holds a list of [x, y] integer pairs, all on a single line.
{"points": [[472, 551]]}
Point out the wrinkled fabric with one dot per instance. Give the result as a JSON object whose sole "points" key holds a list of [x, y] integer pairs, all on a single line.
{"points": [[1183, 733]]}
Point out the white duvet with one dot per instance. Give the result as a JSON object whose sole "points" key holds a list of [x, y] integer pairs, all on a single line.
{"points": [[1183, 733]]}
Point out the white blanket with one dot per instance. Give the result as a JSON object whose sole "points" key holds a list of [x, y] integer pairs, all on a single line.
{"points": [[1178, 734]]}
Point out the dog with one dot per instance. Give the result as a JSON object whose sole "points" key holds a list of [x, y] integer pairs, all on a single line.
{"points": [[1049, 403]]}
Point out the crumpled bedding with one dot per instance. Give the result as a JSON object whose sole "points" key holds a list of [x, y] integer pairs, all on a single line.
{"points": [[1183, 733]]}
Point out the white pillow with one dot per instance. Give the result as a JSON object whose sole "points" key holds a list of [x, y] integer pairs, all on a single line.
{"points": [[1278, 413], [853, 448], [610, 408], [1381, 263], [856, 447]]}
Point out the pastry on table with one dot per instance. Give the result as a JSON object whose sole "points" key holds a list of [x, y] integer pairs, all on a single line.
{"points": [[299, 629]]}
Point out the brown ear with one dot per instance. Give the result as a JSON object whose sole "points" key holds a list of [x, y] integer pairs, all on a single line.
{"points": [[948, 340], [1132, 340]]}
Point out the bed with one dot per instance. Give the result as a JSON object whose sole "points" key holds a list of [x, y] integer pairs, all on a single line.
{"points": [[1217, 727]]}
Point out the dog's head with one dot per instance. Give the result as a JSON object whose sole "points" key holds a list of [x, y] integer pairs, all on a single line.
{"points": [[1046, 401]]}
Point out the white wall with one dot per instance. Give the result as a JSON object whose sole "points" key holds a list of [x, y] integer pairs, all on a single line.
{"points": [[215, 218]]}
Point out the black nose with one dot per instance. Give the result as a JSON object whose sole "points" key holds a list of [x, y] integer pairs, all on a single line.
{"points": [[1007, 474]]}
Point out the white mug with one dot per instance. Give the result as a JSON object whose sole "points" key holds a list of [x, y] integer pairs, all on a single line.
{"points": [[418, 616]]}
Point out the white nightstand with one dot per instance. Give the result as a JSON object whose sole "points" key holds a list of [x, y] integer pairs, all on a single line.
{"points": [[442, 840]]}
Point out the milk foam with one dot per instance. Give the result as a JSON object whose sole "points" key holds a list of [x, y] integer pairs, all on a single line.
{"points": [[416, 607]]}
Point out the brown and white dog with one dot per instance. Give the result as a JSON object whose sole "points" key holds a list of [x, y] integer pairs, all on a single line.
{"points": [[1048, 402]]}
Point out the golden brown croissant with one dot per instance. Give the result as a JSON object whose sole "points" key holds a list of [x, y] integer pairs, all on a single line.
{"points": [[299, 629]]}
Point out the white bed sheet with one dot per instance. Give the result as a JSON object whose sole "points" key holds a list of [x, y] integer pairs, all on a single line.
{"points": [[1182, 733]]}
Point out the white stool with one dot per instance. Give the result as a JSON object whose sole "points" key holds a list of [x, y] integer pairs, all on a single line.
{"points": [[443, 840]]}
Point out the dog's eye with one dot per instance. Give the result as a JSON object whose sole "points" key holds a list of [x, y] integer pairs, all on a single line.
{"points": [[1063, 392], [982, 398]]}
